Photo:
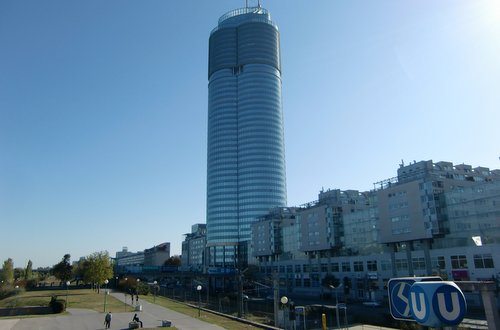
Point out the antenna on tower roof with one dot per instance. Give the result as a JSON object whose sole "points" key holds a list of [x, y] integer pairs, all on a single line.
{"points": [[246, 3]]}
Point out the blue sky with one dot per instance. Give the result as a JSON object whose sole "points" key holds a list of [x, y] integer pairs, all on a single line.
{"points": [[103, 109]]}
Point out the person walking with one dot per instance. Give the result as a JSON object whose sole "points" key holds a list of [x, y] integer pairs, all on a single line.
{"points": [[107, 320]]}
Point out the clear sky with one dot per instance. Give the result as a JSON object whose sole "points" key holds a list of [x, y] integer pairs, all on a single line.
{"points": [[103, 109]]}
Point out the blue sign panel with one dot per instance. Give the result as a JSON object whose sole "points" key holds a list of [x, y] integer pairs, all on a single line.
{"points": [[399, 291], [437, 304], [399, 295], [419, 303], [449, 304]]}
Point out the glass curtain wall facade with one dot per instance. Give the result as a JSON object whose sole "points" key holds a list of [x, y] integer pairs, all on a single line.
{"points": [[246, 156]]}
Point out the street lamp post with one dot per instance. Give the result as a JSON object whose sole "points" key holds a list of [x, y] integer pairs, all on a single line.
{"points": [[105, 294], [154, 291], [284, 301], [17, 294], [336, 304], [67, 288], [198, 288], [137, 291]]}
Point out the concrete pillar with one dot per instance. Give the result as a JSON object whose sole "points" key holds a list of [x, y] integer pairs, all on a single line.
{"points": [[490, 309], [393, 260], [409, 248], [427, 257]]}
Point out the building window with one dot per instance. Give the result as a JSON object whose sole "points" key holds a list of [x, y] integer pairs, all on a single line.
{"points": [[371, 265], [307, 282], [358, 266], [386, 265], [401, 264], [335, 267], [298, 269], [324, 268], [438, 262], [315, 280], [418, 263], [298, 282], [361, 293], [458, 262], [483, 261], [346, 266]]}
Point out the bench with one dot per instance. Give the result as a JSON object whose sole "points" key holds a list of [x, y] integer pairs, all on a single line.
{"points": [[133, 325]]}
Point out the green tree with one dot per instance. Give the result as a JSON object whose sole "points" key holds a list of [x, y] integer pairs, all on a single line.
{"points": [[7, 274], [28, 273], [79, 270], [97, 268], [18, 273], [173, 261], [63, 269]]}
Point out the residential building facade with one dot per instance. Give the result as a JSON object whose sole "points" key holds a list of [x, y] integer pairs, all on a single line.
{"points": [[193, 248], [432, 219], [157, 255]]}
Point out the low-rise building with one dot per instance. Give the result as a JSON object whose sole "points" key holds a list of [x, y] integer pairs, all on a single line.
{"points": [[157, 255], [193, 248]]}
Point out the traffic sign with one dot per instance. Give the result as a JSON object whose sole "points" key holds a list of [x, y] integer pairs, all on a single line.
{"points": [[399, 305], [437, 304], [399, 294]]}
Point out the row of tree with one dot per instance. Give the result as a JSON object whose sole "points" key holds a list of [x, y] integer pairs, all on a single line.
{"points": [[9, 274], [95, 268]]}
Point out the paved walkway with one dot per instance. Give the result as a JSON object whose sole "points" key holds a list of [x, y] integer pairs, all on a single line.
{"points": [[84, 319]]}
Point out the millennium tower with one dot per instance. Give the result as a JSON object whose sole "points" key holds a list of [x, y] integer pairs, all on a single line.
{"points": [[246, 153]]}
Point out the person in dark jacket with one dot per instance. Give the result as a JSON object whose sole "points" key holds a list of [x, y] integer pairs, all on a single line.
{"points": [[107, 320], [136, 319]]}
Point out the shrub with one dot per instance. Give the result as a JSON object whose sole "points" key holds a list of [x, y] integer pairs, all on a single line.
{"points": [[31, 283], [57, 305], [8, 291]]}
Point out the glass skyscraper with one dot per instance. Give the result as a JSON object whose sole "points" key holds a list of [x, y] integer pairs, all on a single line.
{"points": [[246, 155]]}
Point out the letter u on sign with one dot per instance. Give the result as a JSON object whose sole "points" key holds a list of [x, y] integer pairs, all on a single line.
{"points": [[420, 307], [449, 304], [437, 304]]}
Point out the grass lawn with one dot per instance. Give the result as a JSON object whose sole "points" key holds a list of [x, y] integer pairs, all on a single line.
{"points": [[193, 312], [84, 298]]}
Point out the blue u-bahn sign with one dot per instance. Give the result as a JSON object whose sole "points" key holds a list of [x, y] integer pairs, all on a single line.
{"points": [[429, 303], [399, 294], [436, 304]]}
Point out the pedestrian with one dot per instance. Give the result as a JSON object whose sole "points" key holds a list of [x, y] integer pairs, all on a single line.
{"points": [[136, 319], [107, 320], [136, 298]]}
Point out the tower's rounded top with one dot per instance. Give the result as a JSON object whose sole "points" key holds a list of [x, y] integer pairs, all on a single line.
{"points": [[246, 14], [244, 11]]}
